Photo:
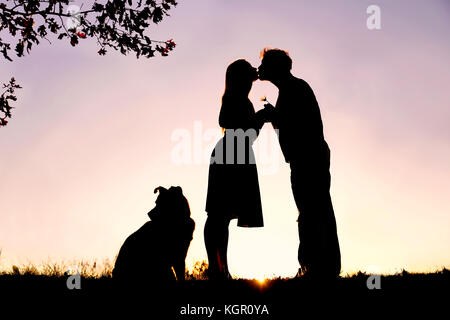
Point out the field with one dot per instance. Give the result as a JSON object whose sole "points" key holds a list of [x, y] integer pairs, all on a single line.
{"points": [[198, 298]]}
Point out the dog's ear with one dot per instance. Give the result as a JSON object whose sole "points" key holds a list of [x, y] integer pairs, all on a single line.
{"points": [[160, 189], [177, 189]]}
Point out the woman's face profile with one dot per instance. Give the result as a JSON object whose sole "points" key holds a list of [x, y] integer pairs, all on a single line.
{"points": [[253, 73]]}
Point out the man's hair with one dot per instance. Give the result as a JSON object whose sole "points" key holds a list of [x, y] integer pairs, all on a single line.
{"points": [[281, 57]]}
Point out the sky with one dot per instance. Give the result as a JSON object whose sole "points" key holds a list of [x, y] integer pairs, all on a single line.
{"points": [[92, 136]]}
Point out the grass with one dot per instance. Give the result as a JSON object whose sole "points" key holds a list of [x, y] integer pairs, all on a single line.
{"points": [[103, 270], [93, 270], [87, 269], [281, 295]]}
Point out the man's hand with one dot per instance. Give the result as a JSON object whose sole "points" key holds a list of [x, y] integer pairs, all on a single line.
{"points": [[266, 114]]}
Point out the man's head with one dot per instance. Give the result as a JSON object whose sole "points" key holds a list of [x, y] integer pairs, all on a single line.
{"points": [[275, 64]]}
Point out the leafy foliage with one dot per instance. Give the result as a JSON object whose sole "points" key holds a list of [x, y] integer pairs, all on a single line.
{"points": [[117, 24], [5, 97]]}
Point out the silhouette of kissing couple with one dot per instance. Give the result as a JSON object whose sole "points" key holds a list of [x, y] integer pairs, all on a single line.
{"points": [[160, 246], [233, 187]]}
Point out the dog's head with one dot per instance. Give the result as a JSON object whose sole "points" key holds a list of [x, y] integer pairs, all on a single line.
{"points": [[171, 205]]}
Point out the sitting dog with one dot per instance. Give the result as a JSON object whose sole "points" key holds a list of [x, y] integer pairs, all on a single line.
{"points": [[150, 253]]}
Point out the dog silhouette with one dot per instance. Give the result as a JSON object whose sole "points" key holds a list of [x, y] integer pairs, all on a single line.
{"points": [[157, 251]]}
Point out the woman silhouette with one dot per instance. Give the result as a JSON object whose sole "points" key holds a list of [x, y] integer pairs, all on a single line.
{"points": [[233, 188]]}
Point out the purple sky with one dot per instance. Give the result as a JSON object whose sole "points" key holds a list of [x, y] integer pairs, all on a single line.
{"points": [[92, 136]]}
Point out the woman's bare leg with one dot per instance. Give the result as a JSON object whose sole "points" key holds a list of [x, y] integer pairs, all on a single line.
{"points": [[216, 235]]}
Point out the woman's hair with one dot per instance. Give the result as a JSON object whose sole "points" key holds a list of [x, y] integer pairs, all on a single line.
{"points": [[238, 82], [237, 79]]}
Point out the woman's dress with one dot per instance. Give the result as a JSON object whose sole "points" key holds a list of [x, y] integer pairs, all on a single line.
{"points": [[233, 187]]}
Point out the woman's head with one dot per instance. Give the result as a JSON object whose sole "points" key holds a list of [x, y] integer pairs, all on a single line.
{"points": [[239, 77]]}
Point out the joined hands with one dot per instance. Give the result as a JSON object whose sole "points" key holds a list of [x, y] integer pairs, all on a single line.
{"points": [[266, 114]]}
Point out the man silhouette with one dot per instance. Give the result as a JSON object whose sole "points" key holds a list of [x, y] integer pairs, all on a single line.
{"points": [[297, 118]]}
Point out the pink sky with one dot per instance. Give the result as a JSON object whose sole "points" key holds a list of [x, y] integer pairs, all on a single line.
{"points": [[91, 136]]}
